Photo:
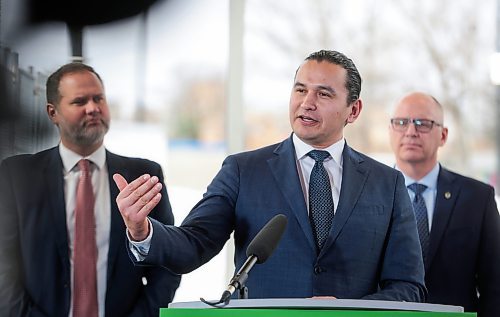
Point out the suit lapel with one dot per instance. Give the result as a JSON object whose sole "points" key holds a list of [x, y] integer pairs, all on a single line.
{"points": [[354, 176], [447, 193], [284, 168], [117, 230], [54, 185]]}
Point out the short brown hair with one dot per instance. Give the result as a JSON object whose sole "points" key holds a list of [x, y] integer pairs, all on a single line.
{"points": [[52, 85]]}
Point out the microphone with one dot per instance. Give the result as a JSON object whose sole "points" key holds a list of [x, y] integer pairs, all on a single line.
{"points": [[258, 251]]}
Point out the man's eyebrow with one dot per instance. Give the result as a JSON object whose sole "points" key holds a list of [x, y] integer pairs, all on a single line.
{"points": [[318, 87], [79, 98], [327, 88]]}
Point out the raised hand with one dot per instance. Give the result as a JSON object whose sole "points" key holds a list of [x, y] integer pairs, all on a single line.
{"points": [[135, 202]]}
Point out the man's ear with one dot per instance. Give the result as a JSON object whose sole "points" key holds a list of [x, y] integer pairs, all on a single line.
{"points": [[52, 113], [444, 136], [356, 107]]}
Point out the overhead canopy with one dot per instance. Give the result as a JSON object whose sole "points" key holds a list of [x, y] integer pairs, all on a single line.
{"points": [[84, 12]]}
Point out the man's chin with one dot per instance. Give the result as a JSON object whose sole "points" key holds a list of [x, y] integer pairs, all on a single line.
{"points": [[412, 159], [92, 139], [308, 138]]}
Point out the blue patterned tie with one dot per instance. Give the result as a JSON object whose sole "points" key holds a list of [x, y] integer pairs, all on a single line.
{"points": [[421, 215], [320, 198]]}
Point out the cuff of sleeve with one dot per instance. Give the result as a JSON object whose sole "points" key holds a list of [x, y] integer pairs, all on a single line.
{"points": [[140, 249]]}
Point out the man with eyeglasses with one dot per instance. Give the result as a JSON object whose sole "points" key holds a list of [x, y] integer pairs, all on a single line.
{"points": [[457, 217]]}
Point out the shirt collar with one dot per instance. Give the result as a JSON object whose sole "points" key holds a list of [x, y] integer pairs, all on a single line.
{"points": [[70, 158], [429, 180], [335, 150]]}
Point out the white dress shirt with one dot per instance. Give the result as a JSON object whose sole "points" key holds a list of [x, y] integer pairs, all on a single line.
{"points": [[102, 211], [333, 166]]}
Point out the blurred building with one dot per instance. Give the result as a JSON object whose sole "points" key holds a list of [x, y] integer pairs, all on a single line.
{"points": [[24, 126]]}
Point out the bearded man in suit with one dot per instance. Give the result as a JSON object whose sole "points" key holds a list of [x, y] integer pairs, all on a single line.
{"points": [[39, 209]]}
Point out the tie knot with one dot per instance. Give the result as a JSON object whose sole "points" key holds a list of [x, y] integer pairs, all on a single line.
{"points": [[84, 165], [318, 156], [417, 188]]}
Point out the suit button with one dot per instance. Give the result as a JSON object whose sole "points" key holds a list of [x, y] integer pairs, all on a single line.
{"points": [[318, 270]]}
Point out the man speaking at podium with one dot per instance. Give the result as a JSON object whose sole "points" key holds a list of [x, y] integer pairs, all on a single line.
{"points": [[351, 230]]}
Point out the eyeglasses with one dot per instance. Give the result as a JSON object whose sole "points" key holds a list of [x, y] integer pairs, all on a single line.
{"points": [[421, 125]]}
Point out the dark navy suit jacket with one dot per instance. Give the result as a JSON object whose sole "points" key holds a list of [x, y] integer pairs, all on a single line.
{"points": [[372, 252], [464, 251], [35, 264]]}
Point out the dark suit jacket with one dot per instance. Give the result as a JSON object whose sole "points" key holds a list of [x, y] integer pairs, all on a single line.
{"points": [[464, 251], [35, 267], [372, 252]]}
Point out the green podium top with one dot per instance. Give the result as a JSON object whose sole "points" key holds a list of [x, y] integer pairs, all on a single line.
{"points": [[309, 307], [290, 312]]}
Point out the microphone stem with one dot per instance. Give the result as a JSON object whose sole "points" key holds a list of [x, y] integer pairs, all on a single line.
{"points": [[247, 266], [238, 281]]}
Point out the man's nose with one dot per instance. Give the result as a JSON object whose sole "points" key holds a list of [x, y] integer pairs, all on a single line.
{"points": [[93, 107], [310, 100], [411, 129]]}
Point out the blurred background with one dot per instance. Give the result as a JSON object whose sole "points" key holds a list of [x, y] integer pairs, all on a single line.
{"points": [[189, 82]]}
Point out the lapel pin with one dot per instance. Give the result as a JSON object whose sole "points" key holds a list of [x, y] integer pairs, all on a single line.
{"points": [[447, 195]]}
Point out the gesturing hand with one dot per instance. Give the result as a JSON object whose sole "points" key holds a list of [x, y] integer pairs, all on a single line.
{"points": [[135, 202]]}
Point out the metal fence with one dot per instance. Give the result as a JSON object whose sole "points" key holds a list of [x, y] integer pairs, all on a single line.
{"points": [[24, 125]]}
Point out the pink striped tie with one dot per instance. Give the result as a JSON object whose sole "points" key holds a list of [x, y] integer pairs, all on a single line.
{"points": [[85, 249]]}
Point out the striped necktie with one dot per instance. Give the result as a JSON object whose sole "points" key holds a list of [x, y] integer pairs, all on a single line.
{"points": [[421, 215]]}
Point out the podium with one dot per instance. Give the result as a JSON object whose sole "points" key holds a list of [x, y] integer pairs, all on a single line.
{"points": [[310, 307]]}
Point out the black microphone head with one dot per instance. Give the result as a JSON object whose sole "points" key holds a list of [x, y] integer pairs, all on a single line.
{"points": [[266, 240]]}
